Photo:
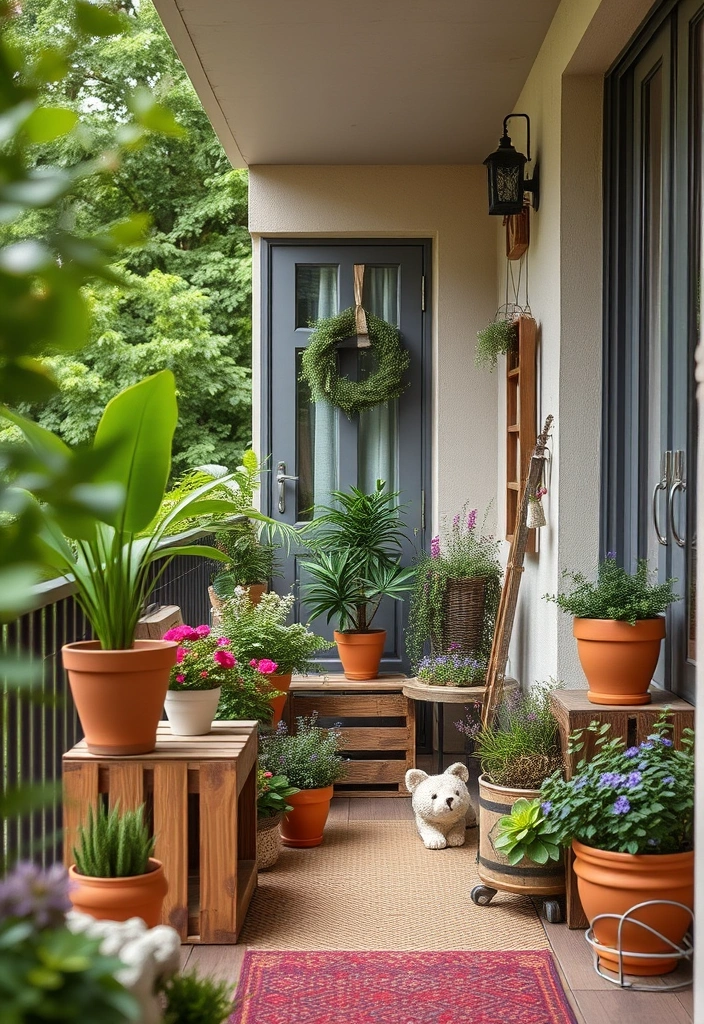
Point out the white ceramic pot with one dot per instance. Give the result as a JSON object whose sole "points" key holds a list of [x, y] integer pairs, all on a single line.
{"points": [[191, 712]]}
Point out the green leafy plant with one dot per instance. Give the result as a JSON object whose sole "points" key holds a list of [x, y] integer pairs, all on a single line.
{"points": [[496, 339], [194, 1000], [272, 791], [113, 844], [357, 546], [245, 697], [261, 631], [309, 759], [526, 832], [522, 748], [460, 552], [615, 594], [250, 560]]}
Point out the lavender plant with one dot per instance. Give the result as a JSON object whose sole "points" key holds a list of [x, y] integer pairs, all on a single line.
{"points": [[309, 759], [451, 670]]}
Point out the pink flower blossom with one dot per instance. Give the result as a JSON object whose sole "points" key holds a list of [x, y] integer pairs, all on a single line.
{"points": [[435, 547], [253, 663], [181, 653], [472, 519], [225, 659], [204, 675], [180, 679], [456, 521], [181, 633], [203, 631], [268, 775], [266, 666], [223, 641]]}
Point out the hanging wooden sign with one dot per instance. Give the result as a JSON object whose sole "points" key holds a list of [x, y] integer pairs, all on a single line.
{"points": [[517, 233]]}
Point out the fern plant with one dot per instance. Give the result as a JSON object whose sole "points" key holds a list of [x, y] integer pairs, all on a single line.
{"points": [[113, 845], [194, 1000]]}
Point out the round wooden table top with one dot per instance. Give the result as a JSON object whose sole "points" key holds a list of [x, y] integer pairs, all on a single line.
{"points": [[451, 694]]}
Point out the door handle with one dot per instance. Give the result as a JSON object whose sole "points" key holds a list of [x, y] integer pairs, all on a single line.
{"points": [[281, 477], [661, 485], [678, 485]]}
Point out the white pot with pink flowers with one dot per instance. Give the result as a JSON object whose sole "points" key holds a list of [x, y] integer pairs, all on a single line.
{"points": [[204, 663]]}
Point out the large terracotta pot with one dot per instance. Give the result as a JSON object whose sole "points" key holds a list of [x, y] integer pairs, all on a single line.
{"points": [[360, 653], [612, 883], [303, 826], [191, 712], [119, 899], [119, 695], [619, 659], [279, 681]]}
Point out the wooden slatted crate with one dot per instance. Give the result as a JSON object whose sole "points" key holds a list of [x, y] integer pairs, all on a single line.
{"points": [[364, 710], [203, 786]]}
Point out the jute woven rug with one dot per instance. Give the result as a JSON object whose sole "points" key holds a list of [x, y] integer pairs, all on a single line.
{"points": [[372, 885]]}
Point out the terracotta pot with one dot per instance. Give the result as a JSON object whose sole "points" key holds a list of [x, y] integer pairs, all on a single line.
{"points": [[119, 899], [279, 681], [619, 659], [268, 842], [612, 883], [360, 653], [119, 695], [255, 593], [191, 712], [303, 826]]}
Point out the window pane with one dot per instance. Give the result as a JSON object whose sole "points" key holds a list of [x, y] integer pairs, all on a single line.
{"points": [[316, 293], [316, 448], [377, 442], [381, 292]]}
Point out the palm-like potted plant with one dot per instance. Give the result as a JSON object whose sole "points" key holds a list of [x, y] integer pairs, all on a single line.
{"points": [[251, 563], [115, 876], [116, 556], [619, 627], [357, 547]]}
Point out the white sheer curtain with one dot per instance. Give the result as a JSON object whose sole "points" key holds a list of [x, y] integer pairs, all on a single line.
{"points": [[325, 450], [376, 453]]}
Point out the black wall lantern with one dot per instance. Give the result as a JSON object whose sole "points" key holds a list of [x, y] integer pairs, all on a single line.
{"points": [[506, 175]]}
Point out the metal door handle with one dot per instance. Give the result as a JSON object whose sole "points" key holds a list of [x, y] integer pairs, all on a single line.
{"points": [[281, 477], [678, 485], [661, 486]]}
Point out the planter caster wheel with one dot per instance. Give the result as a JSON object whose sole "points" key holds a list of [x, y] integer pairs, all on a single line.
{"points": [[482, 895], [552, 912]]}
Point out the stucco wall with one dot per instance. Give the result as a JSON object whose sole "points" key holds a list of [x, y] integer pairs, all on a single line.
{"points": [[448, 205]]}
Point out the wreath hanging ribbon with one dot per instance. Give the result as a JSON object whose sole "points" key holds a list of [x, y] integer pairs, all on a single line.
{"points": [[320, 366]]}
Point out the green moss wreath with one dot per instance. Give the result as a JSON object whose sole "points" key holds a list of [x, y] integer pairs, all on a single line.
{"points": [[320, 370]]}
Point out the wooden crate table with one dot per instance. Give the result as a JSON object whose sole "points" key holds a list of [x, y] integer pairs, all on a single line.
{"points": [[632, 724], [208, 899], [357, 704]]}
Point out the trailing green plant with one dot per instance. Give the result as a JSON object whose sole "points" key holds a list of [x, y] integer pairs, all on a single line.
{"points": [[526, 832], [191, 999], [637, 799], [272, 791], [451, 670], [460, 552], [309, 759], [250, 560], [246, 696], [616, 594], [320, 367], [113, 844], [260, 631], [496, 339], [522, 748], [357, 545]]}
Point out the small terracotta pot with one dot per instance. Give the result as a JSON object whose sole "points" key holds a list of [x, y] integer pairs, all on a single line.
{"points": [[279, 681], [119, 899], [256, 592], [191, 712], [303, 826], [360, 653], [612, 883], [119, 695], [268, 842], [619, 659]]}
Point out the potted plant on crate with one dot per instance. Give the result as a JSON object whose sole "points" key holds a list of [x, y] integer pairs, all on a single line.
{"points": [[628, 814], [619, 629], [115, 876], [251, 563], [357, 547], [311, 761], [273, 792], [204, 663]]}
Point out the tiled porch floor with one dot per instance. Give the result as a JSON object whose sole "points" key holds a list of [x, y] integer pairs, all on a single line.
{"points": [[594, 1000]]}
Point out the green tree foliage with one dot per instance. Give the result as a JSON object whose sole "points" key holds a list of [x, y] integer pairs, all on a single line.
{"points": [[183, 300]]}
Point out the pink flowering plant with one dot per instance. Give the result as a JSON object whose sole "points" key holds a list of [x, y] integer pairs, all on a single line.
{"points": [[204, 660], [272, 791]]}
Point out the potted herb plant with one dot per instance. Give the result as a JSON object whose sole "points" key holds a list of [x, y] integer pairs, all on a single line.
{"points": [[115, 876], [260, 636], [203, 663], [456, 593], [273, 792], [310, 759], [250, 565], [619, 629], [451, 670], [628, 814], [357, 545], [116, 557]]}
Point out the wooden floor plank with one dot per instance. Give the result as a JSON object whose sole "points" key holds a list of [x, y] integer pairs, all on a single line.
{"points": [[221, 962], [575, 958], [186, 951], [631, 1007], [339, 809]]}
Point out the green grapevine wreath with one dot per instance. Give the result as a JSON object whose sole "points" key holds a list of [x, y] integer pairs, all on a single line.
{"points": [[320, 369]]}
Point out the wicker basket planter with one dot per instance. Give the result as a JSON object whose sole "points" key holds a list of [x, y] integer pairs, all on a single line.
{"points": [[269, 843], [463, 617]]}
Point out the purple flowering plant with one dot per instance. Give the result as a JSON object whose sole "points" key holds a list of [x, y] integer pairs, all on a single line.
{"points": [[451, 670], [309, 758]]}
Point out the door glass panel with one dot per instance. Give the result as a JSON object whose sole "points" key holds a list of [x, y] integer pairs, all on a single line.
{"points": [[377, 439], [316, 293]]}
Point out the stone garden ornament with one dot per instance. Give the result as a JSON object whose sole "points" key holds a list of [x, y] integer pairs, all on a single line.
{"points": [[440, 804]]}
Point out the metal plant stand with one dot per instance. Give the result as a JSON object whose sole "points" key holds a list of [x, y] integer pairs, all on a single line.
{"points": [[683, 952]]}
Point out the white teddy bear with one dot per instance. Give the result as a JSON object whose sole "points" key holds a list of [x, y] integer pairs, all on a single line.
{"points": [[440, 803]]}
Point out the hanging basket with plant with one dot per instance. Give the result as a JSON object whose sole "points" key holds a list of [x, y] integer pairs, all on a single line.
{"points": [[497, 339]]}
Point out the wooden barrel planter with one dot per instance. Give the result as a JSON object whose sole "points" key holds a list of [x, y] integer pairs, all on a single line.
{"points": [[463, 617], [493, 868]]}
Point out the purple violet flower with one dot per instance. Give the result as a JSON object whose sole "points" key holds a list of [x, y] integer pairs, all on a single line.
{"points": [[456, 521], [665, 741], [472, 519], [546, 807], [611, 779], [579, 783], [435, 547], [633, 780], [37, 894], [631, 752], [621, 806], [668, 780]]}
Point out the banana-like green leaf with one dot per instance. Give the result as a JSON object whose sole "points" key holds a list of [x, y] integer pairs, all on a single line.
{"points": [[199, 550]]}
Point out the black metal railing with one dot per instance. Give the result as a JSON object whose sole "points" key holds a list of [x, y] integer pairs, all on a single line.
{"points": [[38, 727]]}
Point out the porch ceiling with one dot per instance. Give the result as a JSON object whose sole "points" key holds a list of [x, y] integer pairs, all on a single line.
{"points": [[364, 82]]}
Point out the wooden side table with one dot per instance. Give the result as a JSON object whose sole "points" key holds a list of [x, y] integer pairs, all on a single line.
{"points": [[207, 898], [632, 724]]}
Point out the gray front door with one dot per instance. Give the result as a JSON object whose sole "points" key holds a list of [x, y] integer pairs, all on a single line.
{"points": [[317, 444]]}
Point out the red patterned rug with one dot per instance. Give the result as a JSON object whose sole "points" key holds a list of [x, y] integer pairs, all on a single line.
{"points": [[400, 988]]}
